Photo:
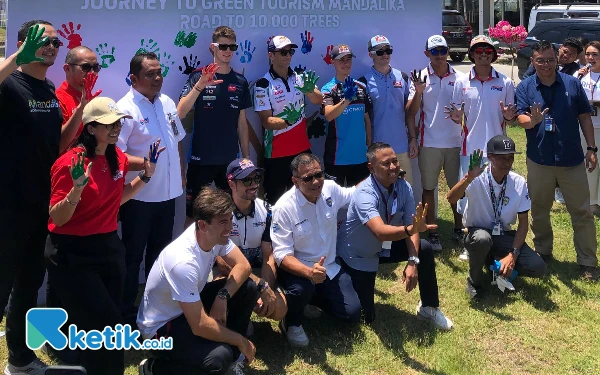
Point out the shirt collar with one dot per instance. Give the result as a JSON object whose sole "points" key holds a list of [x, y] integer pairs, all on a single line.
{"points": [[382, 188], [379, 74], [71, 90], [493, 74], [431, 72], [240, 215], [275, 75], [137, 97], [558, 80], [301, 199]]}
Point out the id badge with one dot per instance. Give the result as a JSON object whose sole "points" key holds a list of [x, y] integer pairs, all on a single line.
{"points": [[595, 105], [386, 245], [173, 124], [497, 231], [549, 123]]}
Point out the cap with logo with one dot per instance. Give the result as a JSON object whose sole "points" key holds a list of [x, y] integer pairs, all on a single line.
{"points": [[340, 51], [377, 42], [103, 110], [241, 168], [482, 39], [278, 42], [435, 41], [501, 145]]}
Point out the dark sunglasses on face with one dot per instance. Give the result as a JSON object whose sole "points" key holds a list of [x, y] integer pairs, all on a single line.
{"points": [[223, 47], [54, 41], [86, 67], [387, 51], [247, 181], [310, 178], [285, 52], [438, 51], [481, 50]]}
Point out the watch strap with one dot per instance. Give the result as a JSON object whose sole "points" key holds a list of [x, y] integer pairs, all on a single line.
{"points": [[593, 149], [143, 177]]}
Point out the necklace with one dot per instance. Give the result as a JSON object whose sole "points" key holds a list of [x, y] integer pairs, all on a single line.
{"points": [[104, 166]]}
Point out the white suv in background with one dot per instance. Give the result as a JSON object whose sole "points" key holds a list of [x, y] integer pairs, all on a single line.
{"points": [[542, 12]]}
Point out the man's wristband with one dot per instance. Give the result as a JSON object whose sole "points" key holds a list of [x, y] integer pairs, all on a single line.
{"points": [[593, 149], [407, 231]]}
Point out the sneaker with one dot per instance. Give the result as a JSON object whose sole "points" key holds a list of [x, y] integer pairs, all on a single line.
{"points": [[547, 258], [237, 368], [295, 334], [464, 256], [2, 333], [458, 235], [145, 367], [589, 273], [312, 312], [36, 367], [250, 329], [434, 240], [558, 196], [435, 316], [595, 210]]}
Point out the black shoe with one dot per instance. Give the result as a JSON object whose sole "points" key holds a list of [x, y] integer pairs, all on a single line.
{"points": [[547, 258], [472, 291], [70, 357], [589, 273]]}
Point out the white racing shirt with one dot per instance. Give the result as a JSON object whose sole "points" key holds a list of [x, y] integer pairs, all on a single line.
{"points": [[249, 231], [150, 122]]}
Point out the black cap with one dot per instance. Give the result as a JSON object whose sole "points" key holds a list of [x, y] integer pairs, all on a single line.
{"points": [[501, 145], [240, 168], [340, 51]]}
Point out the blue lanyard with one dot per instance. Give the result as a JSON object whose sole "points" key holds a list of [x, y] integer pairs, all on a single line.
{"points": [[386, 200], [496, 204]]}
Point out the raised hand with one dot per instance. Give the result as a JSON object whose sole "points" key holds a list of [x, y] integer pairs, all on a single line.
{"points": [[475, 167], [454, 113], [291, 114], [420, 83], [152, 159], [508, 111], [80, 178], [536, 115], [309, 82], [33, 42], [71, 35], [327, 57], [418, 221], [89, 81], [318, 272], [350, 89], [208, 77], [306, 42]]}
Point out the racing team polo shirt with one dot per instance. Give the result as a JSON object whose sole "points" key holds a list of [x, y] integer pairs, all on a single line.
{"points": [[308, 231], [389, 94], [150, 122], [483, 116], [435, 130], [273, 92], [566, 100], [249, 231], [69, 99]]}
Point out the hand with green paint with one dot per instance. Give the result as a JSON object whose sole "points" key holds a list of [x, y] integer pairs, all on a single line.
{"points": [[79, 176], [309, 82], [33, 42], [475, 167], [291, 114]]}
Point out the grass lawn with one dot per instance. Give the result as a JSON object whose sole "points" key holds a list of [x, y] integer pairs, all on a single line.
{"points": [[546, 326]]}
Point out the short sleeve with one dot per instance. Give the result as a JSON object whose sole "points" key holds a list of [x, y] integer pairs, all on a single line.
{"points": [[525, 202], [246, 99], [583, 104], [266, 236], [522, 99], [457, 97], [281, 235], [261, 95], [64, 110], [368, 101], [344, 195], [412, 91], [126, 130], [226, 249], [406, 91], [366, 204], [183, 282]]}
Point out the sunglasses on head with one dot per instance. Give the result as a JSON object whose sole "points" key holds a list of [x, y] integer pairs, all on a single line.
{"points": [[486, 50], [310, 178], [54, 41], [223, 47], [438, 51], [285, 52], [247, 181], [86, 67]]}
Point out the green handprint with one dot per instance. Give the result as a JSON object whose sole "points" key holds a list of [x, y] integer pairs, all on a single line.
{"points": [[165, 63], [77, 171], [181, 40], [310, 82], [148, 47], [32, 43], [107, 55], [475, 159], [291, 114]]}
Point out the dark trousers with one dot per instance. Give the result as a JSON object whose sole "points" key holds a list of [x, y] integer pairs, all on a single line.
{"points": [[350, 174], [364, 282], [278, 176], [193, 354], [199, 176], [23, 232], [335, 296], [88, 278], [146, 225]]}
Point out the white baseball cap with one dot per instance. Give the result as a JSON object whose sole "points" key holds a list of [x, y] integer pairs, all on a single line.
{"points": [[435, 41]]}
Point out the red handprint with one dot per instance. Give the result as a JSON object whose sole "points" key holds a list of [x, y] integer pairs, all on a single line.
{"points": [[70, 35], [327, 57], [89, 81]]}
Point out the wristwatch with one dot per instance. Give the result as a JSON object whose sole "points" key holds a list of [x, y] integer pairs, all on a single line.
{"points": [[593, 149], [143, 177], [515, 251], [262, 285], [223, 293], [414, 259]]}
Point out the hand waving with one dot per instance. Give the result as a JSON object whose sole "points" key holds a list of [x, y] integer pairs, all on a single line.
{"points": [[208, 77], [33, 42], [475, 167], [350, 89], [508, 111], [454, 113], [420, 83], [80, 178], [150, 161], [536, 115], [291, 114], [309, 82], [418, 221], [89, 81]]}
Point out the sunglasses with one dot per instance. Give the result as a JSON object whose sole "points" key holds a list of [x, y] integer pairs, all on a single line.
{"points": [[482, 50], [310, 178], [54, 41], [387, 51], [223, 47], [438, 51], [86, 67], [247, 181], [285, 52]]}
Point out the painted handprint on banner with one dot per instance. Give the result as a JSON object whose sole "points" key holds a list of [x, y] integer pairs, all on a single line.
{"points": [[151, 46], [246, 51], [307, 41], [127, 80], [165, 63], [181, 40], [316, 128], [327, 57], [189, 65], [106, 54], [299, 69], [71, 34]]}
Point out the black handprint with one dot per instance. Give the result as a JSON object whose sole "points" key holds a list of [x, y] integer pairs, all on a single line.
{"points": [[189, 66], [316, 128], [299, 69]]}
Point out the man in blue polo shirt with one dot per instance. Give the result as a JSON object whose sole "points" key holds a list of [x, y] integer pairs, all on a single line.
{"points": [[552, 107], [382, 210], [389, 89], [346, 105]]}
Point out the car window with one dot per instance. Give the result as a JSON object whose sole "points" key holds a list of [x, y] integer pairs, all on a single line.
{"points": [[583, 14], [553, 35], [548, 15], [588, 34], [453, 20]]}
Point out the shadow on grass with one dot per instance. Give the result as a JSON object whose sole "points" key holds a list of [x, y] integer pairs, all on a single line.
{"points": [[566, 273], [451, 249]]}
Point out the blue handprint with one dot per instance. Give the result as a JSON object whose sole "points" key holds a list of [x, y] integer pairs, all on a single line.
{"points": [[247, 53], [127, 80], [306, 41]]}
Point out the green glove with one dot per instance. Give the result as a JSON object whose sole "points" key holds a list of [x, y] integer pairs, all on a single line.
{"points": [[77, 170], [291, 114], [32, 43], [475, 159], [310, 82]]}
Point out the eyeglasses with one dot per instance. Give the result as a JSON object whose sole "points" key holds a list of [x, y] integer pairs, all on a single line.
{"points": [[387, 51], [86, 67], [110, 127], [545, 61], [247, 181], [223, 47], [285, 52], [482, 50], [438, 51], [310, 178], [54, 41]]}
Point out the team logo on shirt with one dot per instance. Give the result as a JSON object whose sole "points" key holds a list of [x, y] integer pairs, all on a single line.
{"points": [[259, 224], [144, 121], [260, 102], [397, 84], [329, 201], [451, 83], [505, 201], [233, 88], [275, 227], [118, 175], [497, 88], [39, 106], [277, 92], [234, 233]]}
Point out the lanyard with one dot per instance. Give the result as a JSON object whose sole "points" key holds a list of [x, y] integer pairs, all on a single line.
{"points": [[496, 204], [386, 200], [593, 84]]}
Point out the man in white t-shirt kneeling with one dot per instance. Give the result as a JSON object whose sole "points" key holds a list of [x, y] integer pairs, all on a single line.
{"points": [[207, 321], [496, 198]]}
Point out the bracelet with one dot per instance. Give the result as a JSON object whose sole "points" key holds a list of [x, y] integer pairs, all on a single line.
{"points": [[72, 203], [145, 179], [197, 89], [406, 231]]}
